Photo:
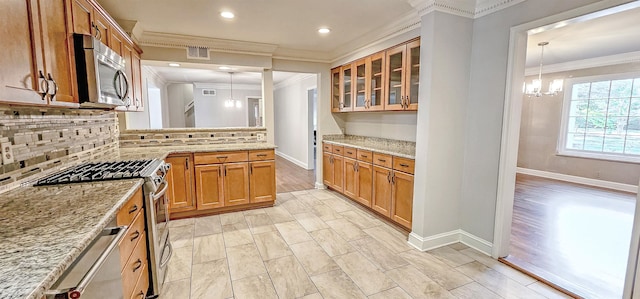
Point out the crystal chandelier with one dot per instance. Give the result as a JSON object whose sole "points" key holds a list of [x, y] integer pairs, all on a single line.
{"points": [[535, 87]]}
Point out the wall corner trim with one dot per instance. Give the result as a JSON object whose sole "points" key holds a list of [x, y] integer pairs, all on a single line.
{"points": [[579, 180], [447, 238]]}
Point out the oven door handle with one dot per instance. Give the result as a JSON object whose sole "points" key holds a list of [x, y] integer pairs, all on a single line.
{"points": [[170, 248], [76, 292], [155, 196]]}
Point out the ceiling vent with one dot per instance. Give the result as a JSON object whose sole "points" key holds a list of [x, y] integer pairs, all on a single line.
{"points": [[198, 53], [209, 92]]}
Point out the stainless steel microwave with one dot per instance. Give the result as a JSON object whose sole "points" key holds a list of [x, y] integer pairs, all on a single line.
{"points": [[102, 82]]}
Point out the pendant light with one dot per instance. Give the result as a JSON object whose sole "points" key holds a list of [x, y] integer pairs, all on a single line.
{"points": [[535, 87], [229, 103]]}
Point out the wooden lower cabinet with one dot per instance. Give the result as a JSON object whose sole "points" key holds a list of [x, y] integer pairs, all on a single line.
{"points": [[350, 178], [402, 198], [381, 199], [209, 189], [262, 182], [332, 171], [222, 181], [327, 169], [236, 184], [133, 248], [181, 184], [364, 183]]}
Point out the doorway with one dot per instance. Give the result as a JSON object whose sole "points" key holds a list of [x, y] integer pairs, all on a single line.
{"points": [[155, 106], [254, 112], [508, 181]]}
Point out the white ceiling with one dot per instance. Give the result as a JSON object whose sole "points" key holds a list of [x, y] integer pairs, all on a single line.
{"points": [[604, 36], [289, 24]]}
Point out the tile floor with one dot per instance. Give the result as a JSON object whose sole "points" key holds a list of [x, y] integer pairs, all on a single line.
{"points": [[318, 244]]}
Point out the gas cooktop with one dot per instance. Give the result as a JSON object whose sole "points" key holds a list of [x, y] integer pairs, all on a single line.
{"points": [[90, 172]]}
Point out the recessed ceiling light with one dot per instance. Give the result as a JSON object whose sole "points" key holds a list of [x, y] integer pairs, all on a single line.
{"points": [[224, 68], [324, 30], [227, 15], [174, 64]]}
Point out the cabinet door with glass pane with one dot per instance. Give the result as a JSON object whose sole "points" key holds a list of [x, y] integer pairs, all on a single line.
{"points": [[412, 80], [376, 81], [395, 87], [336, 90], [347, 88], [361, 69]]}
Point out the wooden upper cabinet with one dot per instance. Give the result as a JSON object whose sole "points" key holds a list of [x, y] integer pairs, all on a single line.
{"points": [[57, 40], [336, 90], [236, 184], [262, 181], [402, 198], [347, 88], [37, 60], [116, 41], [209, 188], [21, 59], [181, 184], [361, 70], [102, 28], [137, 82], [368, 86], [127, 54], [395, 83], [412, 75], [82, 17]]}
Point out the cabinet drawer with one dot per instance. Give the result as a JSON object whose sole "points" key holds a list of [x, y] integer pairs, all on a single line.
{"points": [[338, 150], [135, 266], [261, 155], [404, 164], [140, 291], [130, 209], [327, 147], [365, 156], [350, 152], [382, 160], [221, 157], [134, 234]]}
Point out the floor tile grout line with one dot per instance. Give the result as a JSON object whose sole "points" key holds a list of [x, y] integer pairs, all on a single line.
{"points": [[261, 258]]}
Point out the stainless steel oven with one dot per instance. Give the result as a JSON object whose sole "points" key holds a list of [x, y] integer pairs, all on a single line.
{"points": [[160, 249]]}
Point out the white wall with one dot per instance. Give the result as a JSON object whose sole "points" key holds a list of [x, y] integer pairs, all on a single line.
{"points": [[140, 120], [179, 95], [391, 125], [292, 119], [210, 112]]}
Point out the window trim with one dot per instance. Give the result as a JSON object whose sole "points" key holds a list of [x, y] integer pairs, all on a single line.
{"points": [[561, 149]]}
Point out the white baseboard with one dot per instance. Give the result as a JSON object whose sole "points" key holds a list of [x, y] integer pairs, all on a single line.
{"points": [[293, 160], [579, 180], [320, 186], [454, 236]]}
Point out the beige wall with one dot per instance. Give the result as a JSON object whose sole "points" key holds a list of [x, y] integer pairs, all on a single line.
{"points": [[540, 129]]}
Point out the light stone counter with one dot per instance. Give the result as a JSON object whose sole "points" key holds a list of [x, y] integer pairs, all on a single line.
{"points": [[44, 229], [404, 149], [161, 152]]}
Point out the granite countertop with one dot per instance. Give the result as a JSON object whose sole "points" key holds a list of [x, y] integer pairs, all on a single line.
{"points": [[44, 229], [404, 149], [161, 152]]}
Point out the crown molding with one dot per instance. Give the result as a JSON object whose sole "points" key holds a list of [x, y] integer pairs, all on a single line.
{"points": [[295, 79], [159, 39], [226, 86], [302, 55], [404, 24], [465, 8], [631, 57]]}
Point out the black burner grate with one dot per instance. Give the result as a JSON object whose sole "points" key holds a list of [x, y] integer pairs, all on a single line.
{"points": [[103, 171]]}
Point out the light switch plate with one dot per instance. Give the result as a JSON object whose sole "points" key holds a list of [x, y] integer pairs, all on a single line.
{"points": [[260, 137], [7, 153]]}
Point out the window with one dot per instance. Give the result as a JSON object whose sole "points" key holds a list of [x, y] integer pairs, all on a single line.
{"points": [[601, 118]]}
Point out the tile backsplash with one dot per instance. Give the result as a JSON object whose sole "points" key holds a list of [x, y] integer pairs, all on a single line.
{"points": [[191, 136], [43, 139]]}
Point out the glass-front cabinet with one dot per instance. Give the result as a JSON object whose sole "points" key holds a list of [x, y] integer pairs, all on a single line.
{"points": [[336, 87], [388, 80]]}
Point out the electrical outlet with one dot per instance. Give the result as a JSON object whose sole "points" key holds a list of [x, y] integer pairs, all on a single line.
{"points": [[7, 153], [261, 137]]}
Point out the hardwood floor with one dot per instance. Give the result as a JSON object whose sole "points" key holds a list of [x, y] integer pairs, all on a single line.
{"points": [[571, 235], [291, 177]]}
